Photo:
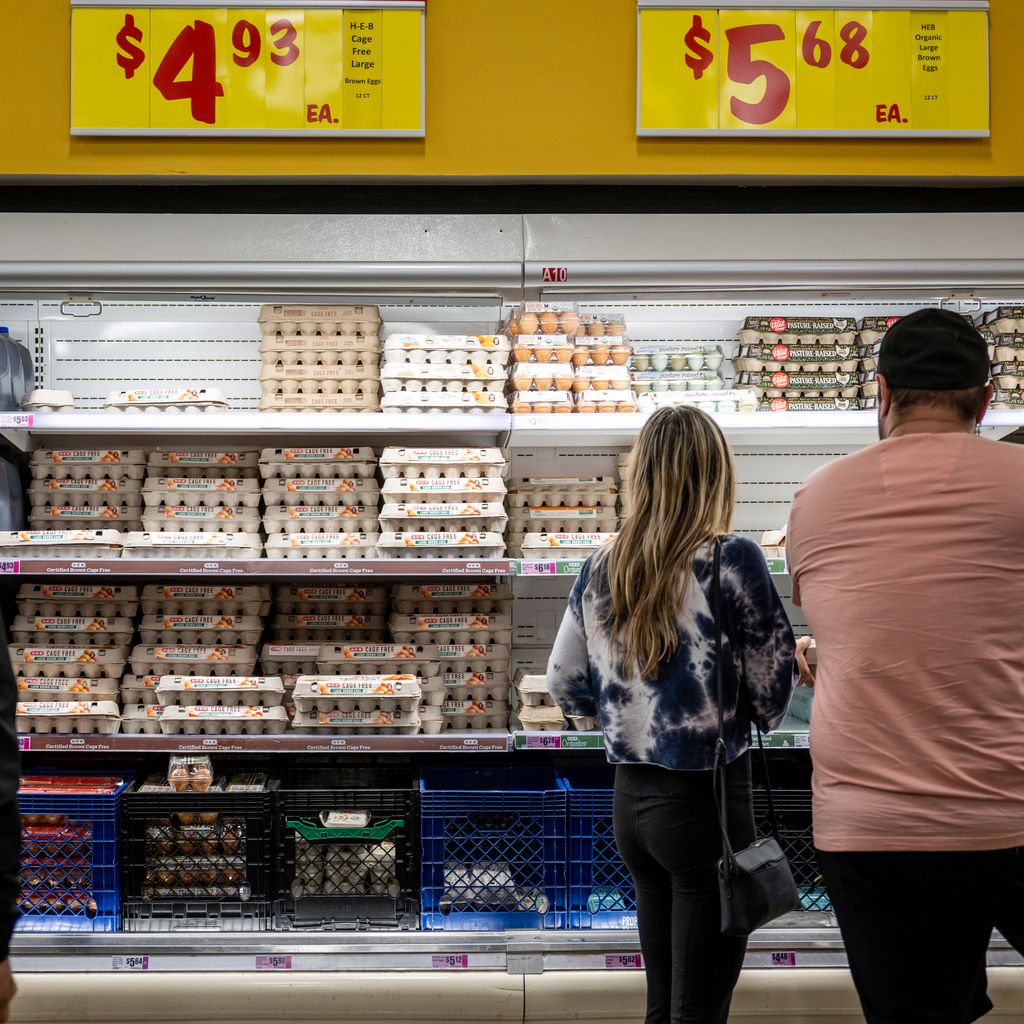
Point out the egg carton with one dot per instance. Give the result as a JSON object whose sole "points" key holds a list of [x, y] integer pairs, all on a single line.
{"points": [[547, 317], [541, 403], [281, 659], [185, 400], [317, 319], [200, 629], [192, 545], [73, 630], [370, 722], [200, 519], [319, 349], [568, 491], [203, 720], [409, 598], [335, 546], [675, 356], [727, 400], [78, 599], [798, 330], [320, 403], [592, 401], [596, 355], [541, 719], [443, 517], [140, 690], [83, 718], [449, 491], [644, 383], [439, 691], [457, 464], [363, 369], [61, 544], [91, 662], [141, 719], [432, 402], [532, 690], [220, 691], [85, 517], [1008, 348], [872, 329], [781, 384], [326, 387], [205, 492], [563, 519], [1008, 376], [1007, 399], [452, 629], [320, 628], [321, 519], [203, 660], [541, 349], [201, 464], [465, 715], [455, 348], [542, 377], [378, 659], [314, 695], [798, 358], [205, 599], [325, 490], [441, 545], [88, 464], [48, 688], [49, 400], [297, 599], [436, 377], [292, 463], [553, 546], [808, 404], [69, 490]]}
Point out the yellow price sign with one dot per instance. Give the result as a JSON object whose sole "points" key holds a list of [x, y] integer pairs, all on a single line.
{"points": [[232, 68], [830, 69]]}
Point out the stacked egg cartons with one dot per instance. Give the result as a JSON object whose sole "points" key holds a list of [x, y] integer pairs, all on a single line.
{"points": [[320, 358], [1006, 324], [435, 373], [543, 336], [193, 669], [677, 372], [199, 505], [320, 502], [86, 490], [186, 400], [71, 645], [804, 364], [536, 710], [561, 517], [600, 357], [442, 503]]}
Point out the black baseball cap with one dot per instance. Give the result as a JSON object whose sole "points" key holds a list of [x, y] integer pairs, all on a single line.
{"points": [[935, 350]]}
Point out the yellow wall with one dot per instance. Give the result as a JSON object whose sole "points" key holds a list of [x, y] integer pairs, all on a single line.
{"points": [[514, 88]]}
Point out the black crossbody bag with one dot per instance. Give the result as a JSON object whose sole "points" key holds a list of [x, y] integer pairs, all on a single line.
{"points": [[756, 884]]}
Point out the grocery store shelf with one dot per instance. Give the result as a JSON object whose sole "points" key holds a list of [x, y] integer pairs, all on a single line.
{"points": [[573, 566], [793, 738], [481, 742]]}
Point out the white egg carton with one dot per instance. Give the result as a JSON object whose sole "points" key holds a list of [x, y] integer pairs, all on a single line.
{"points": [[70, 599], [92, 662], [335, 546], [452, 629], [192, 545], [185, 400], [361, 402], [442, 378], [321, 519], [329, 387], [298, 599], [532, 688], [450, 597], [47, 688], [319, 628], [281, 659], [140, 689], [61, 544], [72, 630], [421, 490], [458, 349], [282, 318], [208, 492], [378, 659], [463, 715], [202, 464], [368, 723], [571, 491], [433, 402], [319, 349], [82, 718], [49, 400], [541, 718], [220, 691], [87, 517], [437, 692], [141, 719], [88, 464], [553, 546], [397, 692], [291, 463], [441, 545], [203, 720], [458, 659], [220, 660], [200, 519], [57, 490], [200, 629], [330, 490], [443, 517], [205, 599], [455, 464]]}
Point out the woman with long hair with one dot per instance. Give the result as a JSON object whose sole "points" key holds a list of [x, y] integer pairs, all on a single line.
{"points": [[636, 650]]}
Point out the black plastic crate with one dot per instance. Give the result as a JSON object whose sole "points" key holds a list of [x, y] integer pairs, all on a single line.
{"points": [[197, 860], [793, 807], [347, 851]]}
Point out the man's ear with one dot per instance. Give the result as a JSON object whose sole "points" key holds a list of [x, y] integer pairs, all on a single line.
{"points": [[984, 403], [885, 396]]}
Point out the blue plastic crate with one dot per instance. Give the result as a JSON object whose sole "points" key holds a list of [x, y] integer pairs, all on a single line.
{"points": [[601, 893], [70, 867], [493, 849]]}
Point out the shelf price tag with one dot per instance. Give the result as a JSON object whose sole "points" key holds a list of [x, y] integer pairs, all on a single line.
{"points": [[167, 68], [623, 962], [743, 69], [784, 959], [450, 961], [278, 962], [24, 742], [10, 567], [537, 568], [543, 741], [18, 420], [129, 963]]}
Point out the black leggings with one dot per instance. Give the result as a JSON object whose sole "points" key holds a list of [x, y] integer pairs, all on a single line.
{"points": [[667, 832]]}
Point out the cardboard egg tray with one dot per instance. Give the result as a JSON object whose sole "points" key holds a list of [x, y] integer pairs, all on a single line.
{"points": [[409, 598], [49, 400], [727, 400], [441, 545], [360, 402], [82, 718], [424, 490], [675, 356], [378, 659], [782, 384], [605, 401], [320, 519], [362, 369], [370, 722], [1008, 376], [464, 715], [92, 662], [141, 719], [281, 659], [77, 599], [553, 546], [442, 463], [220, 691], [61, 544], [45, 688], [325, 491], [201, 720], [139, 690], [367, 693], [563, 519], [299, 599], [816, 404], [532, 689], [72, 631], [798, 330], [318, 628], [433, 402], [185, 400], [200, 519], [88, 464], [222, 660], [317, 319], [479, 349], [299, 463], [798, 358], [451, 629], [192, 545], [431, 517], [440, 691], [205, 599], [200, 629], [205, 492], [1008, 348], [1004, 320], [320, 350], [322, 545], [541, 719], [328, 387]]}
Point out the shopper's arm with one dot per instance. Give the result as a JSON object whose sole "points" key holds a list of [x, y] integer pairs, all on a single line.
{"points": [[569, 680]]}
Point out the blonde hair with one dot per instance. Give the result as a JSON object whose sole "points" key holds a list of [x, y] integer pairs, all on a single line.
{"points": [[681, 494]]}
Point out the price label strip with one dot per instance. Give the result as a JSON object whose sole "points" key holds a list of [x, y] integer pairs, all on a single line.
{"points": [[241, 69], [623, 962], [740, 69], [449, 961], [129, 963]]}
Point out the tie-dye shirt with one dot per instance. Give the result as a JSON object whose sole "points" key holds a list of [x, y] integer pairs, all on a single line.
{"points": [[672, 720]]}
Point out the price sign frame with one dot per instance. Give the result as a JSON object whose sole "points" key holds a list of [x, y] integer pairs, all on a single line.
{"points": [[315, 129], [755, 62]]}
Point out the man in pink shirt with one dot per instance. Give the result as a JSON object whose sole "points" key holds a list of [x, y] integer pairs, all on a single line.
{"points": [[908, 559]]}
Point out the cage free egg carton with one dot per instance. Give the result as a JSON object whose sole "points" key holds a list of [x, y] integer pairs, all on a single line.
{"points": [[220, 691], [337, 385], [218, 720], [141, 719], [450, 490], [561, 519], [396, 692], [202, 660], [452, 629], [333, 463], [798, 330], [139, 690], [75, 599], [464, 715], [466, 686], [200, 629], [325, 350], [68, 717], [378, 659], [216, 464], [454, 464], [58, 490], [74, 688], [192, 545], [332, 491], [433, 402], [361, 401], [372, 722], [570, 491], [72, 630], [322, 545], [443, 517], [99, 516], [186, 400], [290, 659], [447, 598], [441, 545], [297, 319], [121, 464], [319, 628], [205, 599], [200, 519], [61, 544], [202, 492], [321, 519], [90, 662], [301, 375], [553, 546], [298, 599]]}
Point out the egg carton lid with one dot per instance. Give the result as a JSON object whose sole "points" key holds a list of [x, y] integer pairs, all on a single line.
{"points": [[206, 484], [276, 518], [784, 324], [202, 459], [452, 591], [63, 684], [356, 340], [220, 712], [45, 398], [674, 347], [331, 594], [290, 541], [89, 457], [168, 396], [364, 370], [440, 540], [484, 488], [441, 371], [459, 622], [443, 400], [539, 714], [220, 654], [84, 654], [93, 592], [400, 685], [443, 510], [469, 706], [315, 620], [227, 514], [536, 513], [406, 654], [65, 708], [168, 685], [40, 489], [450, 342], [531, 681], [63, 538], [289, 456], [239, 543], [101, 626], [282, 313], [571, 540], [320, 403]]}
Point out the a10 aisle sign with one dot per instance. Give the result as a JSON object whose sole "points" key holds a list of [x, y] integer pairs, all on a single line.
{"points": [[234, 68], [804, 68]]}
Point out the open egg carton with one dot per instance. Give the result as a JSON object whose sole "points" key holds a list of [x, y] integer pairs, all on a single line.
{"points": [[546, 547], [336, 546], [204, 630], [247, 599], [452, 598], [306, 599], [199, 659], [61, 544], [219, 691], [78, 599], [86, 662], [219, 720], [72, 631], [202, 464], [319, 628], [184, 400], [82, 718]]}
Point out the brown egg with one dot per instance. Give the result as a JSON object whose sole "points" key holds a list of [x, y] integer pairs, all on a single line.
{"points": [[528, 323], [580, 384], [595, 329], [563, 381], [619, 354], [586, 406], [619, 385], [548, 322], [513, 327], [599, 385], [563, 407], [563, 353], [599, 353], [522, 383], [542, 407], [606, 407], [520, 407], [568, 322], [580, 356], [522, 353], [615, 329]]}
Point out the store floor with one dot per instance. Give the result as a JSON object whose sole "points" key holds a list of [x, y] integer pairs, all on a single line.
{"points": [[767, 997]]}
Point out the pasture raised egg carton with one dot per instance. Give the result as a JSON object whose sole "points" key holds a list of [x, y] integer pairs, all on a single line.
{"points": [[433, 402], [1008, 348], [675, 356], [470, 544], [62, 718], [687, 380], [301, 320], [447, 349], [333, 463], [200, 519], [443, 517], [798, 358], [301, 598], [798, 330], [184, 400], [192, 545], [546, 547], [321, 519], [201, 492], [447, 598], [78, 599], [69, 631], [61, 544], [200, 629], [797, 384], [205, 599], [222, 465], [454, 628], [201, 660], [1004, 320], [218, 720], [315, 694], [90, 662], [122, 464], [810, 404], [1008, 376], [73, 688], [220, 691], [335, 546], [319, 628]]}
